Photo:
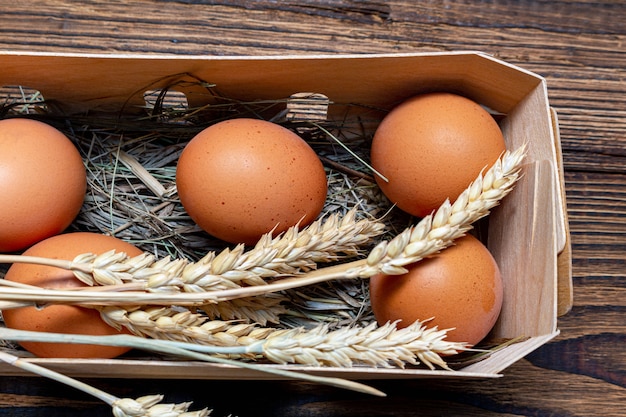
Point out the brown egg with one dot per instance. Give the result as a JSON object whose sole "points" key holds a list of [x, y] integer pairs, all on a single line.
{"points": [[42, 183], [63, 318], [431, 147], [240, 178], [460, 288]]}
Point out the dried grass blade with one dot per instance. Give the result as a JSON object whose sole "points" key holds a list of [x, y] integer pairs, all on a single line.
{"points": [[142, 174]]}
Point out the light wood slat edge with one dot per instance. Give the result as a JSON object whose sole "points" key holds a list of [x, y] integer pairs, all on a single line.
{"points": [[565, 292]]}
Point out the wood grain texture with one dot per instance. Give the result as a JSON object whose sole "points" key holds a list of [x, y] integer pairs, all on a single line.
{"points": [[578, 46]]}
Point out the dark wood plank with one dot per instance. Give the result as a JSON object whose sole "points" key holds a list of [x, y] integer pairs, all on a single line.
{"points": [[575, 45]]}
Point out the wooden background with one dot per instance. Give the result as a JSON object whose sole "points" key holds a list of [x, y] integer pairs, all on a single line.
{"points": [[579, 46]]}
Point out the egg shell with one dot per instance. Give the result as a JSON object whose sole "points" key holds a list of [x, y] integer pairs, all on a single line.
{"points": [[431, 147], [42, 182], [58, 318], [460, 288], [241, 178]]}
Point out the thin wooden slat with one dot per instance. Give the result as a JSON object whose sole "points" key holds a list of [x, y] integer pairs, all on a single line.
{"points": [[526, 255]]}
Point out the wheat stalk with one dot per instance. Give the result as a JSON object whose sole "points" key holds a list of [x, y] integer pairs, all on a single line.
{"points": [[372, 345], [451, 220], [293, 252], [327, 239], [146, 406], [181, 349], [179, 324]]}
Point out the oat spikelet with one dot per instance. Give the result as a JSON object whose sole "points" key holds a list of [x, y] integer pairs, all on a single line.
{"points": [[150, 406], [378, 346]]}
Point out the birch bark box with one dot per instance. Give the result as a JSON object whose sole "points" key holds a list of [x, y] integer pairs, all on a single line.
{"points": [[527, 234]]}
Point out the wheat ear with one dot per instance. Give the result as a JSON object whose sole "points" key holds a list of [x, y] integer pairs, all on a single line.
{"points": [[182, 325], [147, 406], [451, 221], [372, 345], [294, 252], [330, 238]]}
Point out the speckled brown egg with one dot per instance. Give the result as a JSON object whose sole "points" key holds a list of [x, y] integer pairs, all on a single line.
{"points": [[42, 183], [241, 178], [460, 288], [431, 147], [63, 318]]}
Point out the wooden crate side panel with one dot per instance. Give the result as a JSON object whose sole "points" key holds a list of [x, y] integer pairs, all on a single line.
{"points": [[522, 240], [110, 83]]}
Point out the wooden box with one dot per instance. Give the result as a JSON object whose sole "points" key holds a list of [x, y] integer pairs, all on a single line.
{"points": [[528, 233]]}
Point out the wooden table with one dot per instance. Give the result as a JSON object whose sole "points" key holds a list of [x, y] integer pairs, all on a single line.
{"points": [[579, 46]]}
